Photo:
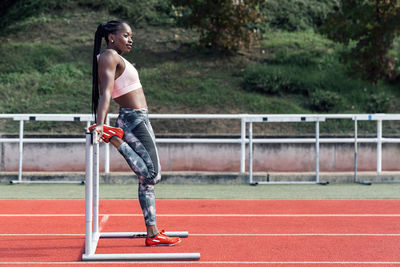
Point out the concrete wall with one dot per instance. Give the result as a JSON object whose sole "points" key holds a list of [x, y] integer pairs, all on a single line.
{"points": [[208, 157]]}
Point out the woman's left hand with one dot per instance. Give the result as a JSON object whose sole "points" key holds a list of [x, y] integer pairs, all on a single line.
{"points": [[99, 129]]}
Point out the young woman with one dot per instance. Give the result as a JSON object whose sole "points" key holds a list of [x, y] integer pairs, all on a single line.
{"points": [[114, 77]]}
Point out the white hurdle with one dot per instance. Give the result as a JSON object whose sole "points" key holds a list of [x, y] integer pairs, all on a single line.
{"points": [[285, 118], [93, 235]]}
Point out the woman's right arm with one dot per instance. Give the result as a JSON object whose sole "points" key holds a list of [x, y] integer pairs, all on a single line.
{"points": [[107, 65]]}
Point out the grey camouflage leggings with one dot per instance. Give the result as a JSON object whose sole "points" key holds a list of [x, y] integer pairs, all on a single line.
{"points": [[140, 152]]}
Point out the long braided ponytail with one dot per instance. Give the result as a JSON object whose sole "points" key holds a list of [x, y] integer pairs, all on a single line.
{"points": [[103, 30]]}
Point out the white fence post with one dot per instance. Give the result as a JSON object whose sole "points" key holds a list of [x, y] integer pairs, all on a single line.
{"points": [[355, 148], [243, 146], [317, 151], [379, 147], [251, 152], [21, 148]]}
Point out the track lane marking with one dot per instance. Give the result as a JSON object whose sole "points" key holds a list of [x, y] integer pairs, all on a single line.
{"points": [[207, 215], [103, 222], [243, 234], [209, 262]]}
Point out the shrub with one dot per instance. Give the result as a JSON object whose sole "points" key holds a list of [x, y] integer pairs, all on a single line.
{"points": [[271, 80], [324, 101], [292, 15], [223, 24], [378, 103], [155, 12], [301, 58], [369, 27], [158, 12]]}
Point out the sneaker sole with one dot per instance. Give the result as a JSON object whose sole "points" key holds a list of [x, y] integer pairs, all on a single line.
{"points": [[164, 245]]}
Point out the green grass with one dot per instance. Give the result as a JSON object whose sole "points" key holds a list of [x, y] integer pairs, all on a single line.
{"points": [[168, 191]]}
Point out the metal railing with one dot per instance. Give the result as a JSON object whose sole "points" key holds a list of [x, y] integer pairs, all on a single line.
{"points": [[243, 140], [317, 140]]}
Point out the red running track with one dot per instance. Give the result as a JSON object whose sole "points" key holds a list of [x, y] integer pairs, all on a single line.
{"points": [[225, 232]]}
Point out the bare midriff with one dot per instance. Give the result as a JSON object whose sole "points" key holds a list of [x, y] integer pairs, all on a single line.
{"points": [[134, 99]]}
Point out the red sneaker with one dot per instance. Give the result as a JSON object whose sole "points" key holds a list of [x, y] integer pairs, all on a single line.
{"points": [[109, 132], [162, 240]]}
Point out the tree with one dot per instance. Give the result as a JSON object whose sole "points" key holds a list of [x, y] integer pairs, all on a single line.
{"points": [[371, 26], [223, 24]]}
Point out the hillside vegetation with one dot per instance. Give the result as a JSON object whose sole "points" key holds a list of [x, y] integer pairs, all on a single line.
{"points": [[45, 67]]}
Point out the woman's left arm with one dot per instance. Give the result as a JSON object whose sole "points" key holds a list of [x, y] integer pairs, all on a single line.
{"points": [[107, 65]]}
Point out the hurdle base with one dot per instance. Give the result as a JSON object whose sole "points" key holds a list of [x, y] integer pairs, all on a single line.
{"points": [[284, 182], [45, 182], [143, 257], [363, 183], [92, 256], [139, 234]]}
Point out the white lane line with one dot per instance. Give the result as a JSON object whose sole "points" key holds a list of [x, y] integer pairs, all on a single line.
{"points": [[103, 222], [305, 234], [211, 262], [207, 215], [42, 235], [238, 234]]}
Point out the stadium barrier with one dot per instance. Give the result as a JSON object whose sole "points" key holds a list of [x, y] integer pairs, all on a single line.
{"points": [[246, 119]]}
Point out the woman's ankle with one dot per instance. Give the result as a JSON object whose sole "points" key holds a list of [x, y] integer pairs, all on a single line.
{"points": [[152, 230]]}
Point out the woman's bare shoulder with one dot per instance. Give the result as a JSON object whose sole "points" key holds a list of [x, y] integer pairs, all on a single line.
{"points": [[109, 56]]}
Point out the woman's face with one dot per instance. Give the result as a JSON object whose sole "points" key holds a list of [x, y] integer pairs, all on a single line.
{"points": [[122, 39]]}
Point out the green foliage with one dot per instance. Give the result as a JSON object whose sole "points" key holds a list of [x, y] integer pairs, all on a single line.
{"points": [[378, 103], [297, 63], [324, 101], [223, 24], [307, 65], [293, 15], [45, 67], [370, 27], [27, 57], [154, 12], [35, 77], [301, 48], [137, 12], [18, 10], [271, 80], [320, 90]]}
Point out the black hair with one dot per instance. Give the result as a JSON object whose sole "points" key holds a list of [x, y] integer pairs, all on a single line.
{"points": [[103, 30]]}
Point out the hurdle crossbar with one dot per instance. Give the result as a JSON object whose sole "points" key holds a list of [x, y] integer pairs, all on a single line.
{"points": [[92, 232]]}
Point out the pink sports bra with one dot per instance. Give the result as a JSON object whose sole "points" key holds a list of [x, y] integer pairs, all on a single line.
{"points": [[127, 82]]}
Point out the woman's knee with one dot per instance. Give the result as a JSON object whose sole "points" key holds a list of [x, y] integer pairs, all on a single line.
{"points": [[153, 179], [116, 141]]}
